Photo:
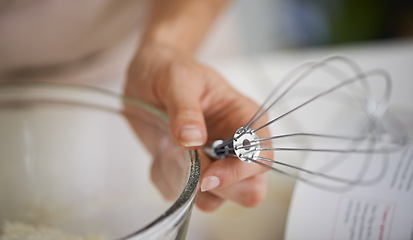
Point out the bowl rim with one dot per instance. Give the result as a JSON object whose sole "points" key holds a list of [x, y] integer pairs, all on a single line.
{"points": [[186, 199]]}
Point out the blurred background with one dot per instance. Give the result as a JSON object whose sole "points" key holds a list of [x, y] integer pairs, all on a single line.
{"points": [[255, 43], [254, 27]]}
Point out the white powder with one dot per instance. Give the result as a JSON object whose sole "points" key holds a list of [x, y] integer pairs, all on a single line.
{"points": [[21, 231]]}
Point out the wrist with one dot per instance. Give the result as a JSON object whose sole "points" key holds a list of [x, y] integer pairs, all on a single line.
{"points": [[181, 24]]}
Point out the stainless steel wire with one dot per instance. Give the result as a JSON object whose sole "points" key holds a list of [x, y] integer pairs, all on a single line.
{"points": [[371, 136]]}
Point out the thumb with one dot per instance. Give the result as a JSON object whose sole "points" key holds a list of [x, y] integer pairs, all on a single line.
{"points": [[183, 105]]}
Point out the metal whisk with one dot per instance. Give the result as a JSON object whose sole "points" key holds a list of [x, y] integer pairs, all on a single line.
{"points": [[367, 129]]}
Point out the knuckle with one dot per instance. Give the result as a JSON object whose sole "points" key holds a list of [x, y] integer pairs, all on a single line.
{"points": [[208, 203], [254, 199], [190, 112], [254, 195], [233, 175], [183, 70], [206, 207]]}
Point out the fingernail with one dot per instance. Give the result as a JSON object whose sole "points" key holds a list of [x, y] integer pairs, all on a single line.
{"points": [[209, 183], [190, 136]]}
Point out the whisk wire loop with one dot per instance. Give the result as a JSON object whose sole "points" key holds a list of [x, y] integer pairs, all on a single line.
{"points": [[373, 136]]}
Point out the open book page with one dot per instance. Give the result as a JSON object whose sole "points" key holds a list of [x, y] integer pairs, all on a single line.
{"points": [[379, 209]]}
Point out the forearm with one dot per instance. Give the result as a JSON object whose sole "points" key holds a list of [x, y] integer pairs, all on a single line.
{"points": [[181, 24]]}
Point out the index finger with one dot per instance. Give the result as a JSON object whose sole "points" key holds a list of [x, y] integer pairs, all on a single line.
{"points": [[225, 172]]}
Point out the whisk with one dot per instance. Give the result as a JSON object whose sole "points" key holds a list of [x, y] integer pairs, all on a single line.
{"points": [[363, 130]]}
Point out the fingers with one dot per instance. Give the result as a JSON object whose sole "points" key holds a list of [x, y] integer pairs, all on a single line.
{"points": [[208, 202], [234, 180], [242, 183], [193, 95], [182, 97], [226, 172], [167, 168], [248, 193]]}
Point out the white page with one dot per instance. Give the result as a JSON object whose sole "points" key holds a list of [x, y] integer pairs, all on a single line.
{"points": [[381, 210]]}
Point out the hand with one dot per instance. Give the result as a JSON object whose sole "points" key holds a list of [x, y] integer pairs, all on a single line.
{"points": [[201, 107]]}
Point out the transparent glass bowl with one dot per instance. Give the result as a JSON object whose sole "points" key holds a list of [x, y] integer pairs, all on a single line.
{"points": [[88, 162]]}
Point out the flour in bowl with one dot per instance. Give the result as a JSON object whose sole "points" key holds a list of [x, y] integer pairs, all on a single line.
{"points": [[22, 231]]}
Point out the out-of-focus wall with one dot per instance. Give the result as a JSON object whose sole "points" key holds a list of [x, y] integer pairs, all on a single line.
{"points": [[260, 26]]}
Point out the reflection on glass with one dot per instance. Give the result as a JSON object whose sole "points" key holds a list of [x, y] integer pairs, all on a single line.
{"points": [[89, 163]]}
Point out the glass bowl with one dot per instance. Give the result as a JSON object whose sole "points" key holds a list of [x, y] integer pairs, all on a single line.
{"points": [[82, 162]]}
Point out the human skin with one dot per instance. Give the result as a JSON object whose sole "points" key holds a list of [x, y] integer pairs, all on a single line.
{"points": [[200, 104]]}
